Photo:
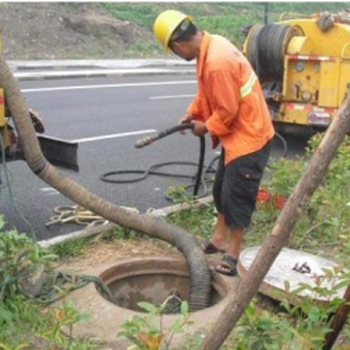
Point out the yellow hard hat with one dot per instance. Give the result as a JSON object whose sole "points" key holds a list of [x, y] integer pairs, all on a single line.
{"points": [[165, 25]]}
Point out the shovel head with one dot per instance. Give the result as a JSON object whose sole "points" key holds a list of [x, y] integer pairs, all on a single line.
{"points": [[60, 152]]}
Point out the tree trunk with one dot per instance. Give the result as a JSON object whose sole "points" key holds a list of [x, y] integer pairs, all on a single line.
{"points": [[283, 228], [338, 321]]}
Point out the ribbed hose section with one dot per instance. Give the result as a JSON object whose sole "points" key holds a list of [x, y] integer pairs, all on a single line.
{"points": [[200, 278]]}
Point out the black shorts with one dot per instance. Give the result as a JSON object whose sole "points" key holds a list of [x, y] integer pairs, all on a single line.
{"points": [[237, 184]]}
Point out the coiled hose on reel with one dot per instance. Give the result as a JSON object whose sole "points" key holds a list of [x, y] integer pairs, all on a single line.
{"points": [[266, 47]]}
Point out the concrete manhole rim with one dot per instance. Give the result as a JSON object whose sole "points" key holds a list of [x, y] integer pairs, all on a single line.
{"points": [[106, 320], [220, 283]]}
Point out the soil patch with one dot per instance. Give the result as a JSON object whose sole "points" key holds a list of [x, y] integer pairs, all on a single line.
{"points": [[49, 30]]}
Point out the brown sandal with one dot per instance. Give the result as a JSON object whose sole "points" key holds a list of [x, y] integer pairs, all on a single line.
{"points": [[227, 266], [209, 248]]}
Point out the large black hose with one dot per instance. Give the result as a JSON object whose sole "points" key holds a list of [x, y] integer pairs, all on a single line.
{"points": [[199, 271]]}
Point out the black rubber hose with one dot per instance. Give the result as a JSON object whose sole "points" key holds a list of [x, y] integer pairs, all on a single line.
{"points": [[152, 170], [150, 139], [200, 166]]}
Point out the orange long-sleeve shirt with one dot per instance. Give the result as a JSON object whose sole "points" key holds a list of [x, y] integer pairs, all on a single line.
{"points": [[229, 99]]}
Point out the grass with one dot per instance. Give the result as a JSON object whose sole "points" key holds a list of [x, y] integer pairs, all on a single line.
{"points": [[224, 18]]}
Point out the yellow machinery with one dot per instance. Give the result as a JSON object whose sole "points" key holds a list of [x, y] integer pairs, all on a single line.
{"points": [[303, 65], [59, 152]]}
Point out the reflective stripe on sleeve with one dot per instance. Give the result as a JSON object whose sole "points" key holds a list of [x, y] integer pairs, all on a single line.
{"points": [[247, 88]]}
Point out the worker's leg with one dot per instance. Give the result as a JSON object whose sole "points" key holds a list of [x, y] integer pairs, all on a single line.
{"points": [[235, 244], [218, 241], [220, 236], [239, 191], [227, 239]]}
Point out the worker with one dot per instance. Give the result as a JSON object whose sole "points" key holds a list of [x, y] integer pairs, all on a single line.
{"points": [[230, 106]]}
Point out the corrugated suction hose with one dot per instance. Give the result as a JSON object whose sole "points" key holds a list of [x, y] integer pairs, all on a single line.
{"points": [[200, 278]]}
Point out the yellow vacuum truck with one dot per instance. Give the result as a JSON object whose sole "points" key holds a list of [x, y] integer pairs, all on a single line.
{"points": [[303, 65]]}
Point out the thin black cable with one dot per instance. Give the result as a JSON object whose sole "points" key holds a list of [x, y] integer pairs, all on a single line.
{"points": [[284, 144]]}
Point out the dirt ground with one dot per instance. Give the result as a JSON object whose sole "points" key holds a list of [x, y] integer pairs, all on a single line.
{"points": [[99, 252], [63, 30]]}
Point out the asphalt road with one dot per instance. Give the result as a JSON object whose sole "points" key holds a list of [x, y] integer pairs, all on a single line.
{"points": [[107, 116]]}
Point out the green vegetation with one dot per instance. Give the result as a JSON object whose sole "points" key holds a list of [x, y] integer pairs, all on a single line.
{"points": [[24, 322], [148, 332], [225, 18], [298, 323]]}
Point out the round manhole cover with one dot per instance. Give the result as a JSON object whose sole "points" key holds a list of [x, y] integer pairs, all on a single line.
{"points": [[295, 267]]}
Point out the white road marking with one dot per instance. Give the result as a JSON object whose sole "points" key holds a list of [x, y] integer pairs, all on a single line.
{"points": [[112, 136], [49, 190], [170, 96], [108, 86]]}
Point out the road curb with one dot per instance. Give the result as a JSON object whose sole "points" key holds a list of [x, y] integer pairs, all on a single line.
{"points": [[99, 74], [105, 64], [73, 69]]}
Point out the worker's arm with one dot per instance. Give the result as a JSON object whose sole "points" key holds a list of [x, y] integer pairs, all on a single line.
{"points": [[194, 110], [224, 90]]}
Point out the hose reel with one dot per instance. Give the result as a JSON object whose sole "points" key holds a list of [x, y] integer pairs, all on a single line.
{"points": [[265, 49]]}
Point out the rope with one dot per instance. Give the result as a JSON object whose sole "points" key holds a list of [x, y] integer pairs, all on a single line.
{"points": [[75, 214], [78, 215]]}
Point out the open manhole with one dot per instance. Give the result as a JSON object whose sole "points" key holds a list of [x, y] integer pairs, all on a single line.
{"points": [[150, 279], [153, 281]]}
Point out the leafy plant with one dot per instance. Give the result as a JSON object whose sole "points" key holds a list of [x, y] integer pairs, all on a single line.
{"points": [[63, 319], [307, 313], [148, 332], [20, 258]]}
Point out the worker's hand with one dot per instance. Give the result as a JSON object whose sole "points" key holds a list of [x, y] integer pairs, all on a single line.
{"points": [[199, 129], [187, 118]]}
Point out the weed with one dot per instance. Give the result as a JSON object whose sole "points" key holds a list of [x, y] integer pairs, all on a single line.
{"points": [[199, 220], [304, 321], [148, 332]]}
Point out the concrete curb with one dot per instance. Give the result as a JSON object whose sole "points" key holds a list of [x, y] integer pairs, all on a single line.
{"points": [[17, 65], [65, 69], [99, 73]]}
